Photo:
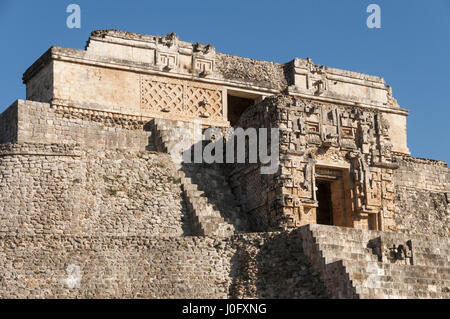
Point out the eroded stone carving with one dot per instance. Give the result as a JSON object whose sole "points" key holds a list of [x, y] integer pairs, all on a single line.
{"points": [[352, 141], [400, 253]]}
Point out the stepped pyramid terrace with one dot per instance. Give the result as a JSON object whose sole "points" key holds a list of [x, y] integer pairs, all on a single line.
{"points": [[99, 197]]}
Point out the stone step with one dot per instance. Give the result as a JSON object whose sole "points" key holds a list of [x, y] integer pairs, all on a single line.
{"points": [[338, 249], [396, 284], [434, 253], [351, 256], [341, 236], [202, 209], [384, 293], [390, 281], [400, 271], [408, 290], [351, 233], [211, 219], [214, 226], [421, 255], [195, 192], [346, 250], [349, 244], [431, 259]]}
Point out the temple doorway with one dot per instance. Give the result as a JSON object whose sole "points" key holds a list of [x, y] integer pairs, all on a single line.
{"points": [[333, 196], [325, 210], [238, 102]]}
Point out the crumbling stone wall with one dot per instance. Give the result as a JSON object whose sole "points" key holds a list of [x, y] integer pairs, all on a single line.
{"points": [[422, 195], [8, 124], [261, 73], [273, 265], [247, 266], [113, 267], [62, 189]]}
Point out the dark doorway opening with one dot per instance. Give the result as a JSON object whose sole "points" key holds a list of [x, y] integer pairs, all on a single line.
{"points": [[325, 209], [237, 106]]}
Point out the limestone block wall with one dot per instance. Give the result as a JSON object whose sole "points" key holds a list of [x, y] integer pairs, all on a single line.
{"points": [[61, 189], [423, 174], [422, 195], [366, 264], [81, 79], [50, 123], [8, 124], [40, 87], [132, 93], [98, 87], [256, 196]]}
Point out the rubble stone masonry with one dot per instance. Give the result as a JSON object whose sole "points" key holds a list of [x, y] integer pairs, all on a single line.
{"points": [[422, 196]]}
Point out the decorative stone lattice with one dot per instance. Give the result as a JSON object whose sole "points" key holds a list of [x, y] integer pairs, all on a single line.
{"points": [[157, 96], [204, 102], [180, 97]]}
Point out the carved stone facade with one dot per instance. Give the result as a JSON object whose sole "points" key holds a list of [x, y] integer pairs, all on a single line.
{"points": [[345, 147]]}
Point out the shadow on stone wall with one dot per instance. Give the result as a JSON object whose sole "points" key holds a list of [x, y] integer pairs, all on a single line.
{"points": [[150, 127], [186, 218], [212, 181], [273, 266]]}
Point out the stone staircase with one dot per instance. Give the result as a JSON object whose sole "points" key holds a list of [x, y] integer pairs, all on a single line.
{"points": [[351, 267], [212, 206], [167, 134]]}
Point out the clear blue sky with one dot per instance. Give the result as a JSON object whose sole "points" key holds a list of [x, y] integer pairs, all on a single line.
{"points": [[411, 50]]}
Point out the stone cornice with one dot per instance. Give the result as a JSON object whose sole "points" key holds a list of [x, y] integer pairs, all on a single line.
{"points": [[381, 108], [38, 65], [82, 109], [301, 77], [81, 57]]}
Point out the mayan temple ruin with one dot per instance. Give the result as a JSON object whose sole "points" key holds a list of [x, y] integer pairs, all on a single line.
{"points": [[93, 204]]}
